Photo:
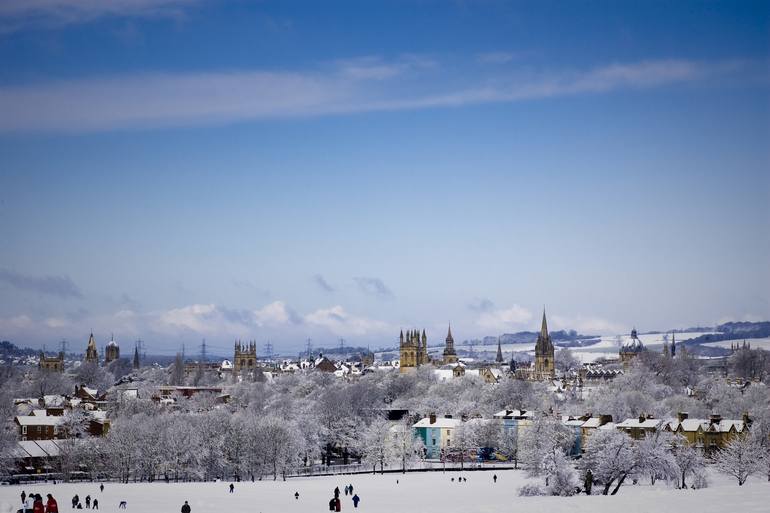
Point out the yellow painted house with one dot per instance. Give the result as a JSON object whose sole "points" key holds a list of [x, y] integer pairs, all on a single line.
{"points": [[708, 434]]}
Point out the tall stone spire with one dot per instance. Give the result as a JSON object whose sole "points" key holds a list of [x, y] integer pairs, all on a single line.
{"points": [[450, 356], [499, 358], [92, 354]]}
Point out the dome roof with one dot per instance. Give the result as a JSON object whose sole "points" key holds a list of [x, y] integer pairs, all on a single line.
{"points": [[634, 345]]}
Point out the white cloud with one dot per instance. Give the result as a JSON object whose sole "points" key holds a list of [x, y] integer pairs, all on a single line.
{"points": [[340, 322], [585, 325], [162, 100], [505, 319]]}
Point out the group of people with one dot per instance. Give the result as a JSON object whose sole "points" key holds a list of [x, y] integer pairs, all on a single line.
{"points": [[335, 504], [76, 504], [33, 503]]}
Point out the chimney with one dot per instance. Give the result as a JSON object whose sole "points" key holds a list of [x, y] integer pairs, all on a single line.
{"points": [[642, 418], [715, 419], [432, 418], [605, 419], [746, 419], [447, 416], [681, 416]]}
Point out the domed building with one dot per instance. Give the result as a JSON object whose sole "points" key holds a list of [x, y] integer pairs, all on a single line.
{"points": [[631, 349]]}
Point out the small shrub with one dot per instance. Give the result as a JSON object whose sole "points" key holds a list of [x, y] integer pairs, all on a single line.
{"points": [[531, 490]]}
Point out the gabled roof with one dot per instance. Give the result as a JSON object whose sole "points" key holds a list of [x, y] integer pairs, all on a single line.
{"points": [[441, 422], [643, 424]]}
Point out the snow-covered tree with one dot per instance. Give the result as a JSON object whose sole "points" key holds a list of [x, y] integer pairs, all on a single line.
{"points": [[464, 440], [509, 445], [375, 445], [407, 447], [689, 460], [541, 442], [563, 479], [741, 457], [655, 457], [610, 457]]}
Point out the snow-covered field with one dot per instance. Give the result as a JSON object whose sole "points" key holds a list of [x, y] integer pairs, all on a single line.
{"points": [[756, 343], [416, 492], [607, 347]]}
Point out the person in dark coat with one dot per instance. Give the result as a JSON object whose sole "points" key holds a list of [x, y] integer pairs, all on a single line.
{"points": [[75, 501], [350, 487], [37, 506], [588, 481], [346, 489], [23, 496], [337, 504], [494, 478], [101, 487], [331, 504], [96, 504], [336, 492], [88, 502], [356, 500], [296, 495], [186, 507], [232, 487], [51, 506]]}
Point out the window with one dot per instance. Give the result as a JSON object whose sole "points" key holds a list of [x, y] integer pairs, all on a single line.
{"points": [[24, 430], [39, 429], [448, 442], [434, 441]]}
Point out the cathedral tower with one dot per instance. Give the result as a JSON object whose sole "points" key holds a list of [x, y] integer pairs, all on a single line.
{"points": [[92, 355], [245, 357], [544, 366]]}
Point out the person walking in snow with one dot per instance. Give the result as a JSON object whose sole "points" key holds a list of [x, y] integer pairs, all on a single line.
{"points": [[186, 507], [346, 489], [588, 481], [356, 500], [232, 487], [101, 487], [336, 492], [350, 486], [296, 495], [27, 507], [51, 506], [75, 501], [494, 478], [88, 502], [96, 504], [23, 496]]}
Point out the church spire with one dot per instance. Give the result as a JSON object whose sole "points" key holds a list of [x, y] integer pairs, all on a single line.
{"points": [[499, 358], [544, 326]]}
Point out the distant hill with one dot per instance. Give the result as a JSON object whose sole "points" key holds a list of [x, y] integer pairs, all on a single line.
{"points": [[733, 331]]}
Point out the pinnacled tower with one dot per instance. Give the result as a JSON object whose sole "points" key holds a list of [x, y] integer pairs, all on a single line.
{"points": [[544, 366], [450, 356], [413, 350], [92, 355], [245, 357]]}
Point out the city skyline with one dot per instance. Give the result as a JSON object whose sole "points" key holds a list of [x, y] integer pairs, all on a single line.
{"points": [[177, 170]]}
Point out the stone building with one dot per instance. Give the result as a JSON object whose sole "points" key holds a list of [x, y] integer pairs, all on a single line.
{"points": [[413, 350], [450, 356], [544, 361], [52, 363], [245, 358], [92, 355], [631, 350], [112, 352]]}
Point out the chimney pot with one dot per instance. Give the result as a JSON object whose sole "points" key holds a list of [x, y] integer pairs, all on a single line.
{"points": [[432, 418]]}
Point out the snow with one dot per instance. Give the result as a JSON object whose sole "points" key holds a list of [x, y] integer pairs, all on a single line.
{"points": [[430, 492], [756, 343]]}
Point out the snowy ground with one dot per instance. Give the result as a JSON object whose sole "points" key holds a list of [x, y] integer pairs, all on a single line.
{"points": [[756, 343], [416, 492]]}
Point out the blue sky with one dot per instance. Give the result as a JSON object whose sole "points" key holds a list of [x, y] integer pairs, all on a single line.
{"points": [[175, 169]]}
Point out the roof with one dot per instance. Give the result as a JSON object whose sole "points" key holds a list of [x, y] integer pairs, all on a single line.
{"points": [[33, 420], [644, 424], [33, 449], [510, 414], [692, 425], [441, 422]]}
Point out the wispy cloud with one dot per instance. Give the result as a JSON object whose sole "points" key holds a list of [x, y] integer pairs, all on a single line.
{"points": [[373, 286], [20, 14], [60, 286], [586, 325], [495, 57], [166, 100], [340, 322], [481, 304], [504, 319], [322, 283]]}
